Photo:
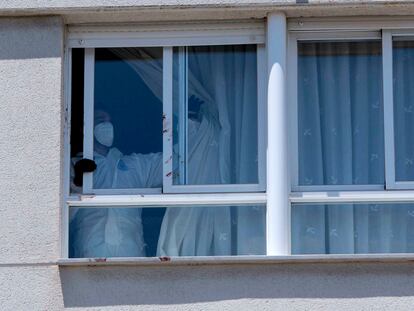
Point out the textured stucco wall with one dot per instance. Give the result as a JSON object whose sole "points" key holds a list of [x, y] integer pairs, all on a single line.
{"points": [[30, 287], [84, 11], [266, 287], [30, 138], [30, 162], [229, 287]]}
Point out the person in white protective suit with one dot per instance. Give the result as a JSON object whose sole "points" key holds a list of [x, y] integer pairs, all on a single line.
{"points": [[113, 232], [201, 230], [187, 231]]}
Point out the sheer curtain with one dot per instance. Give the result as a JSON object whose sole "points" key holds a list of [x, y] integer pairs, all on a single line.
{"points": [[340, 114], [341, 143], [225, 78], [225, 143], [222, 150]]}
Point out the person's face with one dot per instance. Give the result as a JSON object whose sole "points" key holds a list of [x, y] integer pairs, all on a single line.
{"points": [[103, 130]]}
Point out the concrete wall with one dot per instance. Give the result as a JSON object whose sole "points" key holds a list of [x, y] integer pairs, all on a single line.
{"points": [[86, 11], [31, 114], [253, 287], [43, 4], [30, 138], [30, 161], [237, 287]]}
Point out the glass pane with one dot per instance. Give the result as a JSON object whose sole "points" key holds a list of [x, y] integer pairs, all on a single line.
{"points": [[340, 113], [215, 115], [403, 63], [352, 228], [173, 231], [128, 118]]}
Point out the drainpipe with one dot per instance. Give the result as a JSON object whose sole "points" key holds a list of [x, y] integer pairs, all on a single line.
{"points": [[278, 224]]}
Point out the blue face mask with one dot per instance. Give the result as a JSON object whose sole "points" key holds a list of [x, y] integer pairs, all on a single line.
{"points": [[104, 133]]}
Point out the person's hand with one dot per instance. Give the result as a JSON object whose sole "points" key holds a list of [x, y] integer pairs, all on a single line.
{"points": [[83, 166], [194, 104]]}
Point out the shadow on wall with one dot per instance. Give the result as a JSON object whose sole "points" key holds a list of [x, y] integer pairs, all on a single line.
{"points": [[162, 285]]}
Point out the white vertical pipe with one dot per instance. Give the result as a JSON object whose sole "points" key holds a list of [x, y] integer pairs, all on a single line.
{"points": [[277, 148]]}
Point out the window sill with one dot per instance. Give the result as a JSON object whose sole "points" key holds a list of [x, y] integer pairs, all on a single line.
{"points": [[231, 260]]}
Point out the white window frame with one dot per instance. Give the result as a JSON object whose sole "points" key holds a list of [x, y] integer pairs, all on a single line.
{"points": [[388, 39], [168, 186], [354, 33], [167, 37], [278, 213], [328, 36], [225, 36], [349, 29], [88, 140]]}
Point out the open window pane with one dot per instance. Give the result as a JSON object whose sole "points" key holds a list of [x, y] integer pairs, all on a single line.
{"points": [[215, 115], [340, 113], [172, 231], [128, 118], [403, 63], [77, 117], [352, 228]]}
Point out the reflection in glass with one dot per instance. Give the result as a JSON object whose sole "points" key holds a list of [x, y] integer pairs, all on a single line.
{"points": [[403, 63], [340, 113], [352, 228], [215, 115], [138, 232]]}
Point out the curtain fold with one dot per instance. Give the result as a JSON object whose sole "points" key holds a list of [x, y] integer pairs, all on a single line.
{"points": [[222, 150]]}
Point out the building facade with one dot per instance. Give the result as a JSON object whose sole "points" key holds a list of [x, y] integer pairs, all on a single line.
{"points": [[319, 210]]}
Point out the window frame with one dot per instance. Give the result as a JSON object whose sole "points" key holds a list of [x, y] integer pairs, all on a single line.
{"points": [[88, 138], [349, 29], [168, 186], [294, 39], [387, 41], [319, 28], [369, 33], [167, 37]]}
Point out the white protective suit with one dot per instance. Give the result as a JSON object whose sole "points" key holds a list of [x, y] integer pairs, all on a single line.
{"points": [[118, 232], [115, 232], [202, 230]]}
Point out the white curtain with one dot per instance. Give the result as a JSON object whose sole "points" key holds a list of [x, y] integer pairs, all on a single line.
{"points": [[227, 74], [341, 143], [222, 149]]}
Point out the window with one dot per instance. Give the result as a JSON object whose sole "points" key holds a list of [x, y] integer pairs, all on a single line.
{"points": [[352, 143], [340, 114], [353, 228], [175, 120], [167, 143]]}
